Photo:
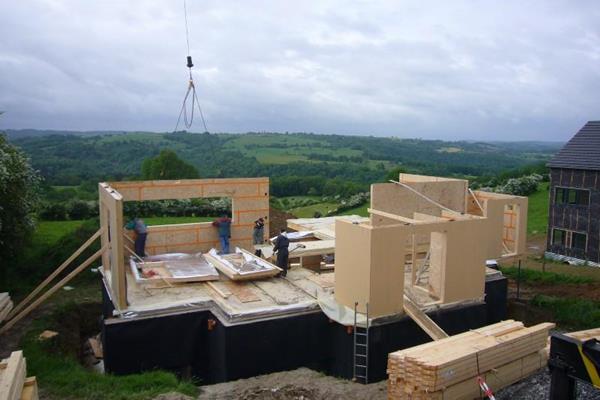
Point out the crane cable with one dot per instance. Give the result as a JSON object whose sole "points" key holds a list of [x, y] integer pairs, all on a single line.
{"points": [[188, 119]]}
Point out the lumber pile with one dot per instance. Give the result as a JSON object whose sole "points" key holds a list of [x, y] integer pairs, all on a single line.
{"points": [[586, 335], [14, 385], [501, 354], [6, 305]]}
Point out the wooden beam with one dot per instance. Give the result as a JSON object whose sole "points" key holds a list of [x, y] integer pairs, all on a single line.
{"points": [[13, 377], [426, 323], [57, 271], [52, 290], [393, 216]]}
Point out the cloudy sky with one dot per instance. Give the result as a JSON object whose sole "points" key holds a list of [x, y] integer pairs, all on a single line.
{"points": [[493, 70]]}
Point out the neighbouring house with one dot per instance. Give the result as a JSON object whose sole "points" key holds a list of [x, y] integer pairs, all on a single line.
{"points": [[574, 207]]}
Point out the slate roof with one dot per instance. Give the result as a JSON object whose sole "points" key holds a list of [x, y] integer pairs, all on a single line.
{"points": [[582, 151]]}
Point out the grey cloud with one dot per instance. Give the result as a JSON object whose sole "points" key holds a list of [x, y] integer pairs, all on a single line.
{"points": [[450, 70]]}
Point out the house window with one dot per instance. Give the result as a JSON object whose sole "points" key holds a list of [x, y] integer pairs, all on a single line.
{"points": [[559, 237], [569, 239], [578, 240], [572, 196]]}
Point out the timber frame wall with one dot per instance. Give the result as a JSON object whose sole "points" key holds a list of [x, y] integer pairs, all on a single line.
{"points": [[249, 201], [431, 223]]}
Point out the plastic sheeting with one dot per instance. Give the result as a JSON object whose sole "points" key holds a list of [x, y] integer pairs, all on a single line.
{"points": [[180, 266], [339, 312]]}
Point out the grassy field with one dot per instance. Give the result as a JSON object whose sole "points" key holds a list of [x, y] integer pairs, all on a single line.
{"points": [[51, 231], [537, 213], [309, 211], [360, 210], [284, 149]]}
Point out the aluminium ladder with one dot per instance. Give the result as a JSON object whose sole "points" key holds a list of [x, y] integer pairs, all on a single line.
{"points": [[360, 359]]}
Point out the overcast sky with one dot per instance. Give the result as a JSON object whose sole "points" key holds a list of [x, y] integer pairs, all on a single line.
{"points": [[487, 70]]}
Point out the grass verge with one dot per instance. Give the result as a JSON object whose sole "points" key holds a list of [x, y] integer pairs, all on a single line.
{"points": [[549, 278], [60, 374], [570, 313]]}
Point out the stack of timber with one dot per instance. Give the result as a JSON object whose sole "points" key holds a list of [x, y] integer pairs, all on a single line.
{"points": [[586, 335], [6, 305], [501, 354], [13, 382]]}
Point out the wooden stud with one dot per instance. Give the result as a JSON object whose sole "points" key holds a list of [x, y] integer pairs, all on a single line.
{"points": [[56, 272], [52, 290]]}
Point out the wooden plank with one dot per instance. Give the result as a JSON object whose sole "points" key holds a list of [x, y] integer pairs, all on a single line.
{"points": [[13, 377], [4, 312], [96, 347], [243, 292], [52, 290], [426, 323], [393, 216], [223, 293], [30, 389], [57, 271]]}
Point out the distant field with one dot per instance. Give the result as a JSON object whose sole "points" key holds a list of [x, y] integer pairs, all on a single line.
{"points": [[284, 149]]}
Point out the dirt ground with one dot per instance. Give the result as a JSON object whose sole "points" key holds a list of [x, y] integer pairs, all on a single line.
{"points": [[299, 384]]}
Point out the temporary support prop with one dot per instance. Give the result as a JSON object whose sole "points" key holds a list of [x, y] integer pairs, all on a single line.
{"points": [[21, 310]]}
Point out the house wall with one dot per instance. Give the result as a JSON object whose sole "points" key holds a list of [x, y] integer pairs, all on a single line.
{"points": [[249, 201], [579, 218]]}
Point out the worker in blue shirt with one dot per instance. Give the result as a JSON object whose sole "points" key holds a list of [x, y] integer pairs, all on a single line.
{"points": [[223, 224], [141, 230]]}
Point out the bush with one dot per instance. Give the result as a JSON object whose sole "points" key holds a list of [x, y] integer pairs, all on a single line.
{"points": [[79, 210], [54, 212], [523, 186]]}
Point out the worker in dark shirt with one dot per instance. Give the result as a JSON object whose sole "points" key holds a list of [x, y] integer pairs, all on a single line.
{"points": [[282, 244], [223, 224], [259, 231], [139, 227]]}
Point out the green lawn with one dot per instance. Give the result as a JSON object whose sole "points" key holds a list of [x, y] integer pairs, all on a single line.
{"points": [[49, 232], [537, 213], [360, 210], [309, 211]]}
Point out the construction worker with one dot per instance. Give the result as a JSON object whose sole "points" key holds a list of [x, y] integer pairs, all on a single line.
{"points": [[282, 243], [259, 230], [141, 230], [223, 224]]}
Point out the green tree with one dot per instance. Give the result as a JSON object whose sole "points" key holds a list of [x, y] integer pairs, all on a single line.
{"points": [[19, 197], [168, 166]]}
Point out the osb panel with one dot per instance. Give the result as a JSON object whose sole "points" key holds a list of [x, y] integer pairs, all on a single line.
{"points": [[225, 190], [251, 203], [248, 217], [191, 188], [464, 275], [451, 194], [395, 199], [437, 262], [387, 272], [353, 264]]}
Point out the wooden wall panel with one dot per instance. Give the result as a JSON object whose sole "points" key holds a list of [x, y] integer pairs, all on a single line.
{"points": [[352, 264]]}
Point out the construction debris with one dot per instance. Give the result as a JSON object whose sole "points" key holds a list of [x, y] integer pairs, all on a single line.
{"points": [[6, 305], [46, 335], [454, 368], [13, 382]]}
